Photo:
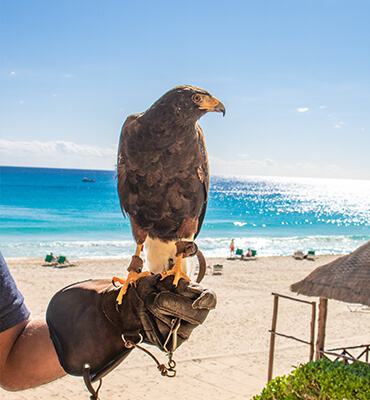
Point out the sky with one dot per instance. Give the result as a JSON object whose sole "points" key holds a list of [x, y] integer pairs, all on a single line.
{"points": [[294, 76]]}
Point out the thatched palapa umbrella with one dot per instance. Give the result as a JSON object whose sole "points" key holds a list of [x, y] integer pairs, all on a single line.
{"points": [[346, 279]]}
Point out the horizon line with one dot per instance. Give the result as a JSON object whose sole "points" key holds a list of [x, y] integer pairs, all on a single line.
{"points": [[241, 176]]}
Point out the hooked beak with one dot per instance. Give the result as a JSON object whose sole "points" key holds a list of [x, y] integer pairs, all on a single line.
{"points": [[210, 103]]}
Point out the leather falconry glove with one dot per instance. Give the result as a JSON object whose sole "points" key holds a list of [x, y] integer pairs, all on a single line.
{"points": [[92, 335]]}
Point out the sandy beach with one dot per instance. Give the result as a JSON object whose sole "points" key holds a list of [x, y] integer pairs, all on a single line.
{"points": [[225, 358]]}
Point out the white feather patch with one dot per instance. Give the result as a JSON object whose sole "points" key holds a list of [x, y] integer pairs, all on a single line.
{"points": [[160, 255]]}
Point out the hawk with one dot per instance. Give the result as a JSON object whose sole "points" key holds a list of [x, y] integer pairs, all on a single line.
{"points": [[163, 177]]}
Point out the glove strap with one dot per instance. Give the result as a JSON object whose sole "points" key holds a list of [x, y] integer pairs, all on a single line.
{"points": [[86, 375], [165, 371]]}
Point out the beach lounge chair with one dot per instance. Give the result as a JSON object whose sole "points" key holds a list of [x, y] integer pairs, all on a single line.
{"points": [[62, 260], [251, 255], [311, 255], [298, 255], [239, 253], [358, 308], [50, 259], [218, 269]]}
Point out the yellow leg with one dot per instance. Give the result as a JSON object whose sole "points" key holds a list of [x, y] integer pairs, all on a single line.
{"points": [[138, 250], [132, 277], [177, 271]]}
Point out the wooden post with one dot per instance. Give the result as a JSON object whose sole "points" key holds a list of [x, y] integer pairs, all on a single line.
{"points": [[312, 336], [272, 338], [321, 327]]}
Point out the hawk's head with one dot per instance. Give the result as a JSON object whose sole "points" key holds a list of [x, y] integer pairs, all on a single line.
{"points": [[184, 104]]}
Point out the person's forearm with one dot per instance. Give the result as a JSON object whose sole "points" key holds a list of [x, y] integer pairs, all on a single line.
{"points": [[32, 361]]}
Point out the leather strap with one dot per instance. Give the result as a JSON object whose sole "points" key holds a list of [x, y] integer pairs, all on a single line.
{"points": [[187, 248], [86, 375], [202, 266]]}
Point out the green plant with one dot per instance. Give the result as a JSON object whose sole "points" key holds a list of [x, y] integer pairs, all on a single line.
{"points": [[321, 380]]}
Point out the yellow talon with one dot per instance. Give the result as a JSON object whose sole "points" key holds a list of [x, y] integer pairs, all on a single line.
{"points": [[115, 280], [120, 295], [131, 278], [176, 271]]}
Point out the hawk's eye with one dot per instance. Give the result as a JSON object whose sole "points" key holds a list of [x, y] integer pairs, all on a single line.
{"points": [[196, 98]]}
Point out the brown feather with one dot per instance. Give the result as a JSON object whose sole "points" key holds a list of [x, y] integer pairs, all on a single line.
{"points": [[163, 174]]}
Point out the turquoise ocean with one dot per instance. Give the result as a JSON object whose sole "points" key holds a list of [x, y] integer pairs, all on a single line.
{"points": [[44, 210]]}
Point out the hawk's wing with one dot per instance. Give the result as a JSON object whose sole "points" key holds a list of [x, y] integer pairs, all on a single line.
{"points": [[203, 175], [129, 128], [134, 165]]}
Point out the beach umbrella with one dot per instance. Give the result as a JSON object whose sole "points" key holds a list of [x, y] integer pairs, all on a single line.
{"points": [[345, 279]]}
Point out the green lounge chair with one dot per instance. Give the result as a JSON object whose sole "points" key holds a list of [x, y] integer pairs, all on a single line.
{"points": [[218, 269], [239, 252], [62, 260], [49, 258], [251, 255], [311, 255]]}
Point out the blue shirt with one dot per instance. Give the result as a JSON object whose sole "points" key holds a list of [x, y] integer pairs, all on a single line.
{"points": [[12, 308]]}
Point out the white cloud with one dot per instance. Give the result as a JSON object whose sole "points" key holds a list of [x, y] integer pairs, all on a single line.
{"points": [[302, 110], [63, 154], [57, 154], [270, 162], [322, 107]]}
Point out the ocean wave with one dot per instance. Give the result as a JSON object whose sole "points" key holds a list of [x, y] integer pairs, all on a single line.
{"points": [[283, 246], [211, 247], [237, 223], [78, 248]]}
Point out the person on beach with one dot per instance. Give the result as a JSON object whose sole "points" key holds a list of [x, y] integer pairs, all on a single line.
{"points": [[247, 255], [27, 355], [232, 247]]}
